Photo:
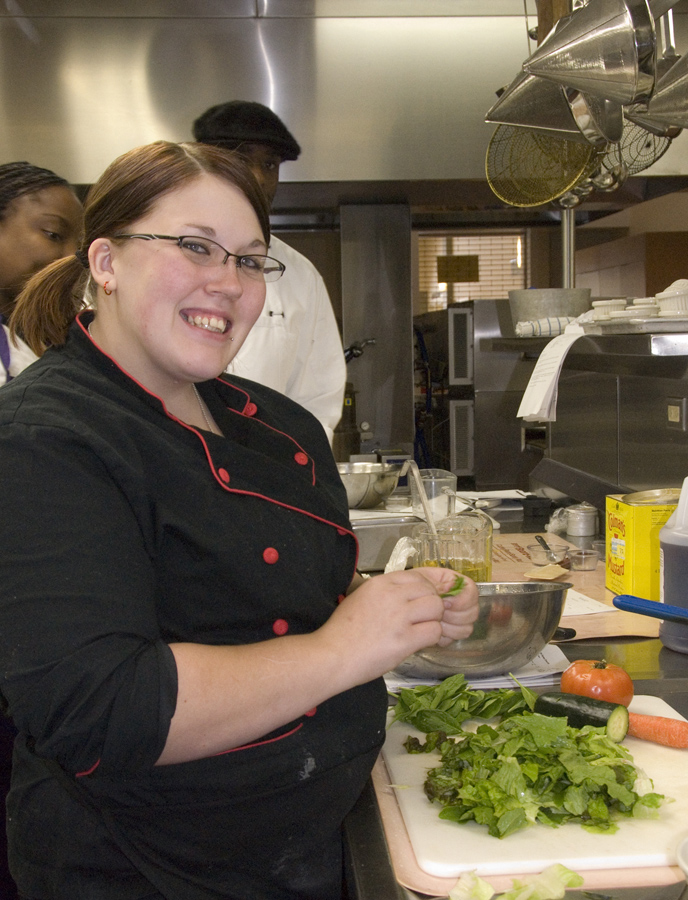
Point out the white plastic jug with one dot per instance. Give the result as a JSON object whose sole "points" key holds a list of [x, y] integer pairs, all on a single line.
{"points": [[673, 572]]}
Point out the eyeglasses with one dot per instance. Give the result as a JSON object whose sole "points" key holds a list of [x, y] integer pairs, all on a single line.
{"points": [[205, 252]]}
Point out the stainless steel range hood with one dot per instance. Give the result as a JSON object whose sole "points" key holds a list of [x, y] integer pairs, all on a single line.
{"points": [[375, 91]]}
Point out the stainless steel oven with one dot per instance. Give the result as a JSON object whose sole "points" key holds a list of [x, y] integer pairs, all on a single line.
{"points": [[467, 394]]}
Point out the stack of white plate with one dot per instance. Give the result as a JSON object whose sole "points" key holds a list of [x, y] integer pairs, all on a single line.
{"points": [[602, 309], [629, 313], [646, 307], [673, 302]]}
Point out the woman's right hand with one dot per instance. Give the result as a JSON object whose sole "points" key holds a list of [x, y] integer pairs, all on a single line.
{"points": [[391, 616], [231, 695]]}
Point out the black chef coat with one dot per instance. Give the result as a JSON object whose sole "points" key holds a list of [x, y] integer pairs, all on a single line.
{"points": [[124, 530]]}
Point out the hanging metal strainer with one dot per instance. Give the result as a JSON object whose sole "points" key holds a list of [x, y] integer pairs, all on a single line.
{"points": [[528, 168], [638, 149]]}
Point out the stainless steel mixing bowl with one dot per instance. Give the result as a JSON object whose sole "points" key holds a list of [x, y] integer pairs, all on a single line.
{"points": [[368, 484], [515, 623]]}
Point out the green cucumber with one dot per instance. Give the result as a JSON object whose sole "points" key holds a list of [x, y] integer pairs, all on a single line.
{"points": [[582, 711]]}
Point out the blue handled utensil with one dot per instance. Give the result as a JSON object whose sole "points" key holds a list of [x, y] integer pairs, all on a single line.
{"points": [[629, 603]]}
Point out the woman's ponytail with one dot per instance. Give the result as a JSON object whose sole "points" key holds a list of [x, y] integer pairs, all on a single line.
{"points": [[48, 304]]}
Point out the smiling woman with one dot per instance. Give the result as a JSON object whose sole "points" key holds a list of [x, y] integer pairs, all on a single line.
{"points": [[178, 598], [169, 319]]}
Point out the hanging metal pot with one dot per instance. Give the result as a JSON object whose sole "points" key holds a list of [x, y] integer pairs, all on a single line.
{"points": [[599, 120], [669, 102], [670, 88]]}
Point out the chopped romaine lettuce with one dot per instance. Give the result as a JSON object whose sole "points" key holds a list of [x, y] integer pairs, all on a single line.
{"points": [[550, 884], [531, 768]]}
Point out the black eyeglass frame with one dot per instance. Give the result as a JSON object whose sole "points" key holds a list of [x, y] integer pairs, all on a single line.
{"points": [[240, 264]]}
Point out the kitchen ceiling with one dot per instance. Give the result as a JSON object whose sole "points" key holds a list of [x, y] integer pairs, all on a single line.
{"points": [[386, 97]]}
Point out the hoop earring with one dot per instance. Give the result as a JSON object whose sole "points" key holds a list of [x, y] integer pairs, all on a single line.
{"points": [[105, 288]]}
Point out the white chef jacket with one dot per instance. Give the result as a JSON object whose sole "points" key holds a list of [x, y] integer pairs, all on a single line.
{"points": [[295, 346], [21, 356]]}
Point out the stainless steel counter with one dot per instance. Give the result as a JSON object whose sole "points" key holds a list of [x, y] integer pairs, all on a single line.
{"points": [[654, 669]]}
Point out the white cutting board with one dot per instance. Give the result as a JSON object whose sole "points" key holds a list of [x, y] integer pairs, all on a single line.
{"points": [[446, 849]]}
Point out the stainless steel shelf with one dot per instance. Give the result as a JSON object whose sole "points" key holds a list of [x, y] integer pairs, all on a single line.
{"points": [[642, 344]]}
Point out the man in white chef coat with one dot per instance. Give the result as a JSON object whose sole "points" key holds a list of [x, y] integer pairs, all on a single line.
{"points": [[295, 346]]}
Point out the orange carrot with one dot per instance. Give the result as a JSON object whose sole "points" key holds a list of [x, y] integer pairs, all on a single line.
{"points": [[659, 729]]}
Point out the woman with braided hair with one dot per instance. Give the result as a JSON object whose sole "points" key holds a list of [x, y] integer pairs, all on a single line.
{"points": [[40, 221]]}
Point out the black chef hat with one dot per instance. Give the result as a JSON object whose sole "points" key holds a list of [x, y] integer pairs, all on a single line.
{"points": [[233, 123]]}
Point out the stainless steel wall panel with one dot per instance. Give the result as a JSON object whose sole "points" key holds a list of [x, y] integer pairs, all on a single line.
{"points": [[496, 370], [501, 461], [394, 8], [134, 9], [376, 304], [230, 9], [461, 437], [372, 90], [585, 435], [98, 89], [652, 454], [369, 99]]}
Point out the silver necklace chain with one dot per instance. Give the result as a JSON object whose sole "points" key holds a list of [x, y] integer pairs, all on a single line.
{"points": [[200, 403], [195, 390]]}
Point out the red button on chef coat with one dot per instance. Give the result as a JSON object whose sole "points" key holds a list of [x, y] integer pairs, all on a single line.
{"points": [[301, 458], [270, 555]]}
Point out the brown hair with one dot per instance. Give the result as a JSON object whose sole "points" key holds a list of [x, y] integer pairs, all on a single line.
{"points": [[124, 193]]}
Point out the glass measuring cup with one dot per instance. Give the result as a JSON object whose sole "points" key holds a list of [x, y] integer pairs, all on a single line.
{"points": [[439, 487], [463, 542]]}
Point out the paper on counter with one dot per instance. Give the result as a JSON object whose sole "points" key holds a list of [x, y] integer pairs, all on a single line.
{"points": [[539, 671], [509, 494], [578, 604], [546, 573], [539, 401], [379, 512]]}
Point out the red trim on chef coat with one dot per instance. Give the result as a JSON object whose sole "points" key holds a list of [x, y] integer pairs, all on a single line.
{"points": [[88, 771], [260, 743], [217, 472]]}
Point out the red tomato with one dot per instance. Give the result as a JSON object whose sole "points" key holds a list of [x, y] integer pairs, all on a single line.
{"points": [[601, 680]]}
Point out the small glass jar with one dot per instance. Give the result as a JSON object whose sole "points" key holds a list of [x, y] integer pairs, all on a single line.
{"points": [[463, 543], [583, 560], [440, 490]]}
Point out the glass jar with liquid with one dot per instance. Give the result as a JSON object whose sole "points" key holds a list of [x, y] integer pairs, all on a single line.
{"points": [[463, 543]]}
